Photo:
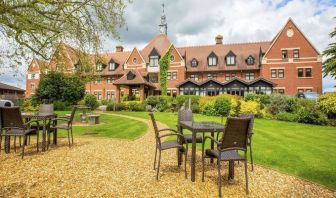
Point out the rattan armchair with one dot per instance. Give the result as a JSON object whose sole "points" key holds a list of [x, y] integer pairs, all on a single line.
{"points": [[250, 133], [13, 126], [173, 144], [234, 139], [65, 125]]}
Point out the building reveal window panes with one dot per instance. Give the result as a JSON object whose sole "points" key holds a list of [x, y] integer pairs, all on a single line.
{"points": [[168, 75], [153, 61], [112, 66], [273, 73], [227, 76], [300, 73], [99, 67], [249, 76], [153, 78], [230, 60], [296, 53], [174, 75], [308, 72], [281, 73], [284, 54], [194, 77], [212, 76], [250, 60], [194, 63], [212, 61]]}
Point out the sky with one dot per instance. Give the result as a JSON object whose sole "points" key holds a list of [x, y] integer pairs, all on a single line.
{"points": [[197, 22]]}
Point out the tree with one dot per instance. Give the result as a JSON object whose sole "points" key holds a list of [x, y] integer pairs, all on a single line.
{"points": [[56, 86], [222, 107], [38, 26], [329, 65], [164, 66]]}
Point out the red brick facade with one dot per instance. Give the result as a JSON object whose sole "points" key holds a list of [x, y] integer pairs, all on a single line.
{"points": [[290, 62]]}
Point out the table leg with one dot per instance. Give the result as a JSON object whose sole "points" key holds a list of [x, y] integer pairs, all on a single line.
{"points": [[7, 144], [231, 170], [193, 156], [179, 153], [55, 137], [212, 146]]}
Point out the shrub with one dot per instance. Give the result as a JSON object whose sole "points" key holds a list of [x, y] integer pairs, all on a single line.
{"points": [[249, 107], [106, 102], [181, 99], [264, 113], [120, 106], [205, 99], [222, 106], [160, 103], [135, 106], [28, 106], [327, 103], [278, 103], [261, 98], [90, 100], [285, 116], [61, 106], [110, 107], [209, 108], [312, 116]]}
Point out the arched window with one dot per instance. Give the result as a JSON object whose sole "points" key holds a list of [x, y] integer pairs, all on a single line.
{"points": [[212, 59], [230, 59], [194, 62], [250, 60]]}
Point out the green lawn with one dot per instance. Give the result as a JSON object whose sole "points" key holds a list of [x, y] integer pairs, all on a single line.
{"points": [[303, 150], [111, 126]]}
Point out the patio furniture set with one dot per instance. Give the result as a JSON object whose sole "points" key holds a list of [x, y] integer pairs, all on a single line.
{"points": [[15, 124], [231, 142]]}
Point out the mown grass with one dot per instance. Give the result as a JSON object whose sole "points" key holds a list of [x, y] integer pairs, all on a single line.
{"points": [[307, 151]]}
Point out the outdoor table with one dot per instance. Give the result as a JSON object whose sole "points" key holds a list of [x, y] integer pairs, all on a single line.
{"points": [[201, 127], [43, 117]]}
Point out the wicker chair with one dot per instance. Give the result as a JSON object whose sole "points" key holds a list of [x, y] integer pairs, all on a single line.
{"points": [[12, 124], [187, 115], [65, 126], [167, 145], [250, 133], [234, 139]]}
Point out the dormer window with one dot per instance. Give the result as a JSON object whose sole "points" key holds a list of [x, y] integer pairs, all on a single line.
{"points": [[194, 63], [230, 59], [154, 61], [99, 67], [250, 60], [212, 59], [112, 66]]}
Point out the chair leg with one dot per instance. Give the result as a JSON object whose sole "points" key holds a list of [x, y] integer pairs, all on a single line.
{"points": [[158, 169], [246, 178], [20, 141], [37, 141], [251, 158], [28, 140], [23, 146], [203, 163], [72, 137], [0, 141], [155, 157], [69, 137], [219, 178], [185, 162]]}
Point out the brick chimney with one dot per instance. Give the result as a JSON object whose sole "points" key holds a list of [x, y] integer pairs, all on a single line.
{"points": [[219, 39], [119, 48]]}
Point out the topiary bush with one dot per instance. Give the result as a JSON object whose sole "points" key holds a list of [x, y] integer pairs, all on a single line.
{"points": [[91, 101], [285, 116], [222, 106]]}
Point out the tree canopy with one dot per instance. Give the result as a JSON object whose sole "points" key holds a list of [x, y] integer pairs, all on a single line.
{"points": [[56, 86], [38, 26], [329, 65]]}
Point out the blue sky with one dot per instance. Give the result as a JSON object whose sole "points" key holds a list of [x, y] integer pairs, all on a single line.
{"points": [[194, 22]]}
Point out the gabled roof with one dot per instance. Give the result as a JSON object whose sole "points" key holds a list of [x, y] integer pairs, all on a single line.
{"points": [[161, 43], [40, 64], [235, 79], [138, 79], [187, 81], [261, 79], [136, 51], [9, 87], [282, 29], [210, 80]]}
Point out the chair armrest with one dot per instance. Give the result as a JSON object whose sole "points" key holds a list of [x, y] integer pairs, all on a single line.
{"points": [[32, 121], [167, 129], [171, 134], [212, 138]]}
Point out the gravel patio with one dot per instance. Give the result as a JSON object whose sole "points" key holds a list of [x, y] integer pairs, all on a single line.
{"points": [[105, 167]]}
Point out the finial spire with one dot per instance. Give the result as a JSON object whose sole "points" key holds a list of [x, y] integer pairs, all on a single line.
{"points": [[163, 24]]}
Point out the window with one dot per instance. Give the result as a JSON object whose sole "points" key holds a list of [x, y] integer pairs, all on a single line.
{"points": [[309, 90], [98, 95], [168, 76], [296, 53], [174, 75], [281, 73], [250, 60], [32, 76], [153, 61], [281, 91], [110, 80], [153, 77], [308, 72], [112, 66], [99, 67], [194, 63], [212, 76], [273, 73], [32, 86], [174, 91], [172, 58], [300, 90], [135, 61], [249, 76], [212, 61], [194, 77], [227, 76], [284, 54], [300, 73], [169, 92], [230, 60], [109, 95]]}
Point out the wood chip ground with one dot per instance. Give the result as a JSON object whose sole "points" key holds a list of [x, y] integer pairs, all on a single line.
{"points": [[101, 167]]}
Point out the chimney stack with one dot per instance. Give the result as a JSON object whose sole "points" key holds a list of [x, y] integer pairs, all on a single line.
{"points": [[119, 48], [219, 39]]}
